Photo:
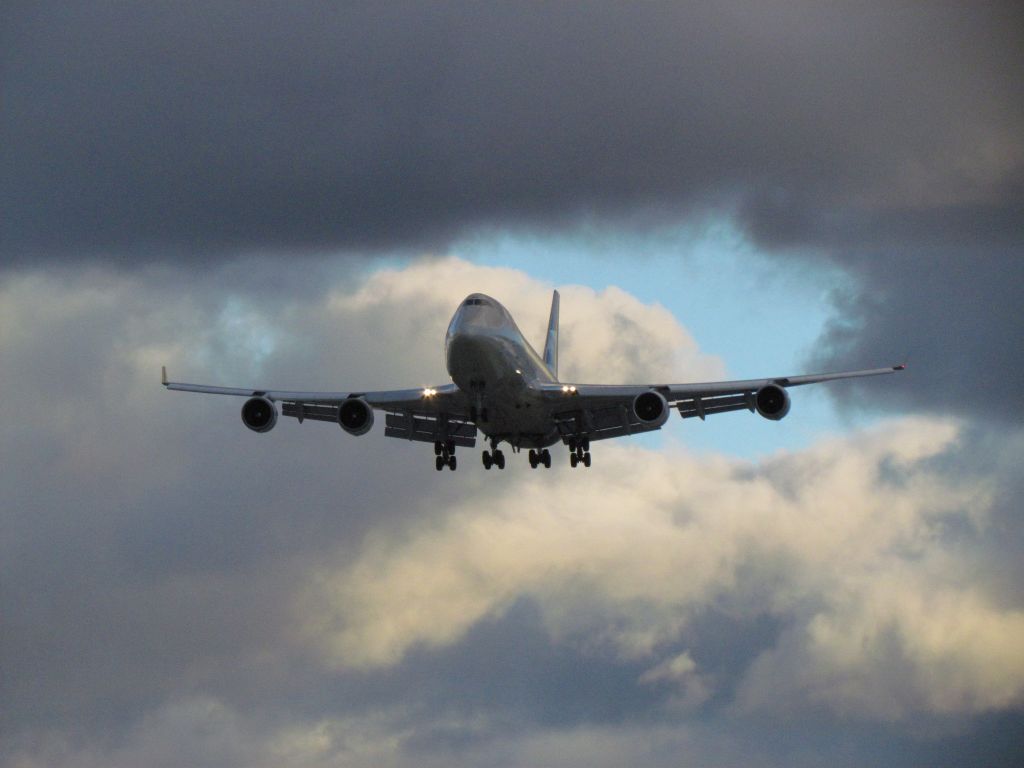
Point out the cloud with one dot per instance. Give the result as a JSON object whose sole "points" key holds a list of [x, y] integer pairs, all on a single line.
{"points": [[202, 731], [605, 336], [152, 523], [951, 310], [899, 645], [843, 542], [175, 588], [138, 133]]}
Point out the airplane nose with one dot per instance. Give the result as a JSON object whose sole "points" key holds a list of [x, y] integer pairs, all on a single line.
{"points": [[471, 352]]}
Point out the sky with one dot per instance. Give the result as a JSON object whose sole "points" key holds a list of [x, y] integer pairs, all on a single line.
{"points": [[298, 195]]}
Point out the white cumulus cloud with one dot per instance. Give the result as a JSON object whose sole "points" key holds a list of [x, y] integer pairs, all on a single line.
{"points": [[843, 542]]}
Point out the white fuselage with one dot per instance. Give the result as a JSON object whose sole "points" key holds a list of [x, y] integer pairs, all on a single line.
{"points": [[489, 359]]}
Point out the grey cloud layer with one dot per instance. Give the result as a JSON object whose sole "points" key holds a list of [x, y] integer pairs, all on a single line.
{"points": [[200, 131], [175, 588], [955, 312]]}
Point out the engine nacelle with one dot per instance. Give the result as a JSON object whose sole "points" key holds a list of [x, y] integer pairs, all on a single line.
{"points": [[259, 414], [772, 401], [355, 416], [651, 408]]}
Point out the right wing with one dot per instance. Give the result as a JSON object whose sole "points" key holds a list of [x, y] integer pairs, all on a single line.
{"points": [[601, 411]]}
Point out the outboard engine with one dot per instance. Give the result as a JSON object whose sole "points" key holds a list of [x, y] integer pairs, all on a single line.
{"points": [[772, 401], [355, 416], [259, 414], [651, 408]]}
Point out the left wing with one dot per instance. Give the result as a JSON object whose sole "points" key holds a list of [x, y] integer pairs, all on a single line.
{"points": [[430, 414], [599, 411]]}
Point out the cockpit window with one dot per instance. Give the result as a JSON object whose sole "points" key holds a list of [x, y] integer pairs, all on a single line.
{"points": [[475, 302]]}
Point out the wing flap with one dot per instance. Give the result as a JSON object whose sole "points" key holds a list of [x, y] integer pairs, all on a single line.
{"points": [[408, 426], [600, 423], [312, 411], [702, 407]]}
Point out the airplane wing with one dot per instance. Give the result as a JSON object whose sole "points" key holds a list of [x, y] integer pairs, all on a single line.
{"points": [[427, 414], [599, 411]]}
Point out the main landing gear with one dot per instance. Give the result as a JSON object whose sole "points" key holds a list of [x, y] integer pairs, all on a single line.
{"points": [[445, 453], [540, 457], [579, 453], [494, 458]]}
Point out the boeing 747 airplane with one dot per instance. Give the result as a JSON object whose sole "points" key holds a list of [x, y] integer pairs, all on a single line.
{"points": [[502, 388]]}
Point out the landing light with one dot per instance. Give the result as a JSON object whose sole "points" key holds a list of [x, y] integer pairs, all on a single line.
{"points": [[429, 392], [568, 388]]}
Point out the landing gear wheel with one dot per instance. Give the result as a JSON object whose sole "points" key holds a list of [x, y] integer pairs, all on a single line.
{"points": [[488, 461], [452, 463], [439, 463], [573, 460], [499, 459], [534, 461], [586, 459], [438, 448], [546, 458]]}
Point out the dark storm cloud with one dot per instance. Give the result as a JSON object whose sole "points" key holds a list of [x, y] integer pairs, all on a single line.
{"points": [[130, 130], [954, 314]]}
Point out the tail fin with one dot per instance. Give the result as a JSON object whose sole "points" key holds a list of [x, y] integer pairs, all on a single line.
{"points": [[551, 343]]}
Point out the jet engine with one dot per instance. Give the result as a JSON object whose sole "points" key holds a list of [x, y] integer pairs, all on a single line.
{"points": [[355, 416], [259, 414], [772, 401], [651, 408]]}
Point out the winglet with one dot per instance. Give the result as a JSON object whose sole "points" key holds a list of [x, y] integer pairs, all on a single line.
{"points": [[163, 375], [551, 342]]}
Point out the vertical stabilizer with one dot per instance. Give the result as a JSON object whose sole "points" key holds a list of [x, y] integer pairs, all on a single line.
{"points": [[551, 343]]}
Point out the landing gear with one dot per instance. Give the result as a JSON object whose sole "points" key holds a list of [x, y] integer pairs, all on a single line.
{"points": [[540, 457], [445, 453], [493, 458], [579, 453]]}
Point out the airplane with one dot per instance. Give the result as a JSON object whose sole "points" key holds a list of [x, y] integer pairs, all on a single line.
{"points": [[502, 388]]}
